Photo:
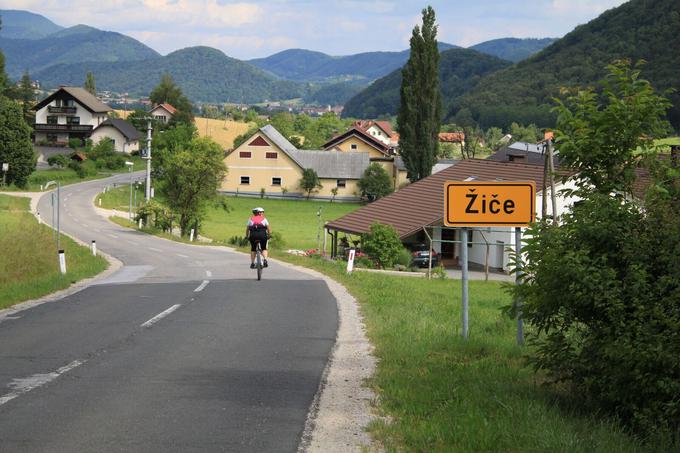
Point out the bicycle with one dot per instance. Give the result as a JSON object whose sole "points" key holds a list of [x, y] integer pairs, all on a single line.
{"points": [[258, 260]]}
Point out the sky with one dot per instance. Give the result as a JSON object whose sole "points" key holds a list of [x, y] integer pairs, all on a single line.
{"points": [[257, 28]]}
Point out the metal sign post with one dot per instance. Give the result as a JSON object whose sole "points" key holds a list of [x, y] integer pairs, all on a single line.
{"points": [[486, 204], [148, 193], [464, 269]]}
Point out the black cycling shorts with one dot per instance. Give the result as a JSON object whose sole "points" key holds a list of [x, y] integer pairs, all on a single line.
{"points": [[255, 238]]}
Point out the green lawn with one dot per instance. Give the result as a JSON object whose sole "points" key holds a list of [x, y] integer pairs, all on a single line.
{"points": [[442, 393], [29, 266], [295, 220]]}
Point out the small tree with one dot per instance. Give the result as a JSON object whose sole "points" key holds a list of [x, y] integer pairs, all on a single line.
{"points": [[601, 287], [168, 91], [375, 182], [310, 182], [334, 193], [27, 97], [90, 84], [382, 244], [191, 178], [15, 143]]}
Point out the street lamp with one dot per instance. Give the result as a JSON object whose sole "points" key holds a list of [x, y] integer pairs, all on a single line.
{"points": [[58, 184], [130, 165], [5, 169]]}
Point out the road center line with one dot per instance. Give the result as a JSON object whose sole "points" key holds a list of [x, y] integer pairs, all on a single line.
{"points": [[25, 385], [113, 236], [154, 250], [201, 286], [161, 315], [182, 256]]}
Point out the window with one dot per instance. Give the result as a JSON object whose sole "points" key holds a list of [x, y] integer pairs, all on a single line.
{"points": [[245, 180], [162, 118], [353, 146], [341, 183], [271, 155], [52, 119], [52, 138], [72, 120], [245, 155], [276, 181]]}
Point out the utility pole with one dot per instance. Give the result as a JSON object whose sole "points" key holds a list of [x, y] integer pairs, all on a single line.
{"points": [[147, 194], [544, 184], [551, 169]]}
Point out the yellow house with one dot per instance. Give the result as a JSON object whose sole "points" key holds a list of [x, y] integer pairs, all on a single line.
{"points": [[358, 140], [268, 161]]}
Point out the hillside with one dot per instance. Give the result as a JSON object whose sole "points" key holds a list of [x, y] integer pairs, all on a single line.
{"points": [[204, 74], [459, 71], [310, 66], [71, 45], [513, 49], [18, 24], [639, 29]]}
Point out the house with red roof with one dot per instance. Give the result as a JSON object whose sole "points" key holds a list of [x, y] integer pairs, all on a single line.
{"points": [[163, 112]]}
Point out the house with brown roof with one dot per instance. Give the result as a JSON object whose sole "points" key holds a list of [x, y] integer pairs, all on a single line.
{"points": [[417, 211], [163, 112], [69, 112], [124, 136], [382, 130]]}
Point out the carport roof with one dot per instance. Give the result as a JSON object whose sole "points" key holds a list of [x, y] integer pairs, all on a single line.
{"points": [[422, 203]]}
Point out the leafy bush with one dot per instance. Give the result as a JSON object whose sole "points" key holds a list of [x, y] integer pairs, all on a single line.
{"points": [[238, 241], [58, 160], [375, 183], [78, 168], [114, 162], [382, 244], [75, 143], [404, 258], [364, 262], [277, 241]]}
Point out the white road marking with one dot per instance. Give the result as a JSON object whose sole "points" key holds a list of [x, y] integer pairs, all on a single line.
{"points": [[113, 236], [161, 315], [84, 224], [182, 256], [154, 250], [201, 286], [25, 385], [208, 273], [132, 242]]}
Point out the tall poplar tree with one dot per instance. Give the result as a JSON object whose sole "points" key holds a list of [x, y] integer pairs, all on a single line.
{"points": [[419, 115], [27, 97], [90, 84]]}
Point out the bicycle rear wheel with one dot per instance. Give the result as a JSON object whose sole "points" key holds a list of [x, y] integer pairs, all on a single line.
{"points": [[258, 262]]}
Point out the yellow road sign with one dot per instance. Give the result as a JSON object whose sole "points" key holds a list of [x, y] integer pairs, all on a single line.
{"points": [[489, 203]]}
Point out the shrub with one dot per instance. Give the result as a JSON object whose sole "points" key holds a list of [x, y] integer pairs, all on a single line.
{"points": [[114, 162], [277, 241], [375, 183], [382, 244], [58, 160], [238, 241], [262, 192], [78, 168], [75, 143], [364, 262], [404, 258]]}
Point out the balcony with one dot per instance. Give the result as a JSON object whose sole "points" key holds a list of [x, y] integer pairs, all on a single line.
{"points": [[62, 110], [62, 127]]}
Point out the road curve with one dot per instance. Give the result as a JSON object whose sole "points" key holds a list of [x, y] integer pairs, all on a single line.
{"points": [[180, 350]]}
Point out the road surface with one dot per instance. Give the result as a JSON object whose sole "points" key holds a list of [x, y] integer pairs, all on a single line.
{"points": [[180, 350]]}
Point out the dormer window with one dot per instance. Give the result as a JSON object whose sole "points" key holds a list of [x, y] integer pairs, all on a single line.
{"points": [[354, 146]]}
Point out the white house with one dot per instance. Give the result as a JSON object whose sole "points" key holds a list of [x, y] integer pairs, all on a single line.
{"points": [[123, 134], [163, 112], [69, 112]]}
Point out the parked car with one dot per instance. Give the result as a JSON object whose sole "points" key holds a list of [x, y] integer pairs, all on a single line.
{"points": [[421, 256]]}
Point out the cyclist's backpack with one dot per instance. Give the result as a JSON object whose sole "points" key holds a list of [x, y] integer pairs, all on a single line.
{"points": [[257, 223]]}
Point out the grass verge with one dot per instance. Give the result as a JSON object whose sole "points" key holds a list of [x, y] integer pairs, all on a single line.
{"points": [[441, 393], [29, 266], [296, 220]]}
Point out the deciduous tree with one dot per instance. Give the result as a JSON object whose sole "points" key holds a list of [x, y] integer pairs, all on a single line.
{"points": [[375, 182], [310, 182], [168, 92], [90, 84], [15, 143]]}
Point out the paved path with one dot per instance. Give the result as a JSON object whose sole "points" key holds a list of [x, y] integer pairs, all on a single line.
{"points": [[180, 350]]}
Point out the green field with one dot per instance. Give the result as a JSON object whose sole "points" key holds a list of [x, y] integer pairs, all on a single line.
{"points": [[438, 392], [29, 266], [67, 176], [295, 220]]}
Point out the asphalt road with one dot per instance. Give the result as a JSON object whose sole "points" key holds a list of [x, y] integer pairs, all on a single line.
{"points": [[180, 350]]}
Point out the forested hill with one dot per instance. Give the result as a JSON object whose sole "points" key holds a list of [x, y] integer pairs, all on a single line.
{"points": [[19, 24], [204, 74], [639, 29], [70, 45], [459, 71], [513, 49], [310, 66]]}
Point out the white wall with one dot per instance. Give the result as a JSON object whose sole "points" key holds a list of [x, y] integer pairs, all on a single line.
{"points": [[86, 117], [121, 144]]}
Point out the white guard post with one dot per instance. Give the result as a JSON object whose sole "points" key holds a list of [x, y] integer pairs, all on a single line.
{"points": [[62, 262], [350, 260], [94, 248]]}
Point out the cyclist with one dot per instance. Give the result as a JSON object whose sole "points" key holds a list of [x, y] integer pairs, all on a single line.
{"points": [[258, 230]]}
